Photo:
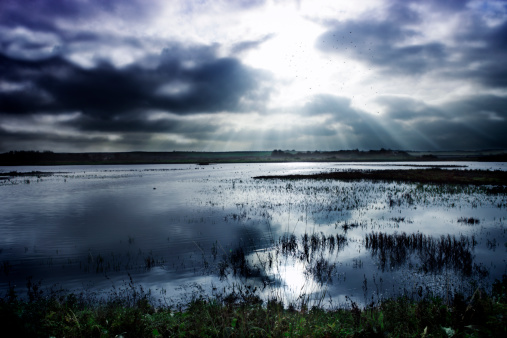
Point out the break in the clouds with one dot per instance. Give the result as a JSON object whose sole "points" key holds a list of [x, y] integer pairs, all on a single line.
{"points": [[252, 75]]}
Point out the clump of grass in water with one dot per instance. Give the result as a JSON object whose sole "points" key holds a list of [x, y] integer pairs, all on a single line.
{"points": [[469, 220], [435, 254], [321, 270]]}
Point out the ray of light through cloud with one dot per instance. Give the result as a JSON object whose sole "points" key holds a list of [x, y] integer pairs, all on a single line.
{"points": [[253, 75]]}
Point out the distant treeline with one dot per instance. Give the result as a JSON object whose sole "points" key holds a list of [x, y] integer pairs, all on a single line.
{"points": [[47, 157]]}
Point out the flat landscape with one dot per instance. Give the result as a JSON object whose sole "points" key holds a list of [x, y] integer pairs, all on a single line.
{"points": [[356, 243], [253, 168], [14, 158]]}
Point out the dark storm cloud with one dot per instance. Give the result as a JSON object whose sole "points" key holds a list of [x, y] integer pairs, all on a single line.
{"points": [[141, 123], [467, 109], [406, 109], [47, 70], [357, 125], [381, 43], [475, 122], [75, 142], [35, 30], [42, 140], [247, 45], [56, 85], [71, 74], [486, 48], [329, 104], [374, 42], [452, 134], [41, 15], [474, 105], [445, 5], [341, 111], [475, 54]]}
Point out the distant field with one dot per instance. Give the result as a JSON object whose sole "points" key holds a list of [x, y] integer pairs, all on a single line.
{"points": [[14, 158]]}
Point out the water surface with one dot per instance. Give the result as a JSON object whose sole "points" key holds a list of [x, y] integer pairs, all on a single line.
{"points": [[174, 229]]}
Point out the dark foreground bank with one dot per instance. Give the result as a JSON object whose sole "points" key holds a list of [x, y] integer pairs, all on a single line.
{"points": [[131, 312]]}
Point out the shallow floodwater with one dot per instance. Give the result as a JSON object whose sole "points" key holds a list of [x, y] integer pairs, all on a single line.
{"points": [[186, 229]]}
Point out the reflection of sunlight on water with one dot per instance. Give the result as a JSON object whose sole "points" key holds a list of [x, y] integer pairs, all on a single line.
{"points": [[297, 287], [302, 168], [293, 277], [288, 276]]}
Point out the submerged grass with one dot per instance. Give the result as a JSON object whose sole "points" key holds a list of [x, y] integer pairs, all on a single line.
{"points": [[435, 254], [130, 312]]}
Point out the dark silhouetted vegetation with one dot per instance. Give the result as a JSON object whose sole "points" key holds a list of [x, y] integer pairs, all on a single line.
{"points": [[130, 311], [433, 175], [434, 254]]}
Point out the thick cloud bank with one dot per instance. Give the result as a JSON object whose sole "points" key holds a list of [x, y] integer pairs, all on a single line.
{"points": [[252, 75]]}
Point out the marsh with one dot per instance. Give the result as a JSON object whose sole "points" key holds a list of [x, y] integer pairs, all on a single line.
{"points": [[180, 229]]}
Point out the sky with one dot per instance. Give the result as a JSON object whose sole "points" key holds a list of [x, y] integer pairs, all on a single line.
{"points": [[202, 75]]}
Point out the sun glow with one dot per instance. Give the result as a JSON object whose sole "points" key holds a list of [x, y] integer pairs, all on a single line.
{"points": [[294, 279]]}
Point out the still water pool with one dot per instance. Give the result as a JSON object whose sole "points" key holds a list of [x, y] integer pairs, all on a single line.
{"points": [[183, 230]]}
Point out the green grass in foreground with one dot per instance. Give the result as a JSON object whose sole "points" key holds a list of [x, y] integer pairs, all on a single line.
{"points": [[129, 313]]}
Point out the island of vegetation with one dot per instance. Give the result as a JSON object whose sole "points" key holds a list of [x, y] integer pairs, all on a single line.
{"points": [[433, 175]]}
